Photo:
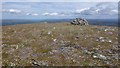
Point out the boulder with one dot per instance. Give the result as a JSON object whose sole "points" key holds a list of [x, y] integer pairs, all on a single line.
{"points": [[79, 21]]}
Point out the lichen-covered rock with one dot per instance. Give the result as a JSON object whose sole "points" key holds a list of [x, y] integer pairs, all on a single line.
{"points": [[79, 21]]}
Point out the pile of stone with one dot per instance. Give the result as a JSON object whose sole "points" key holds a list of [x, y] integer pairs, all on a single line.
{"points": [[79, 21]]}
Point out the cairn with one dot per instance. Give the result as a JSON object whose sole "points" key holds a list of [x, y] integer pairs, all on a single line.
{"points": [[79, 21]]}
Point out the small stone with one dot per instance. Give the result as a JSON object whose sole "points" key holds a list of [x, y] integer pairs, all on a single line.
{"points": [[51, 53], [106, 62], [49, 33], [99, 56], [53, 27], [101, 37], [103, 57], [54, 50], [106, 30], [94, 56], [102, 40], [15, 31], [16, 46], [73, 60], [54, 40], [97, 40], [34, 62], [110, 41], [12, 64]]}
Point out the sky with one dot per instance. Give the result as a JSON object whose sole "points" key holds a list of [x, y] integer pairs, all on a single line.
{"points": [[60, 0], [59, 10]]}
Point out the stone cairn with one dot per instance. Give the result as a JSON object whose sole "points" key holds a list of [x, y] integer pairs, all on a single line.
{"points": [[79, 21]]}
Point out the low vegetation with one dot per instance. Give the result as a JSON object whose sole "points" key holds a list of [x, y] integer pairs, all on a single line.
{"points": [[59, 44]]}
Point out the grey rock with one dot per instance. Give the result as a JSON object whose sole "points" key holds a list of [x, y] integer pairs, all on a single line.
{"points": [[38, 63], [79, 21], [99, 56], [34, 62]]}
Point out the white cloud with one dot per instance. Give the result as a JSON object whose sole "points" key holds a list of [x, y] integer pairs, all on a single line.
{"points": [[45, 14], [35, 14], [99, 9], [17, 11], [53, 14], [14, 10], [116, 11], [28, 14], [11, 10], [86, 11], [80, 10], [50, 14]]}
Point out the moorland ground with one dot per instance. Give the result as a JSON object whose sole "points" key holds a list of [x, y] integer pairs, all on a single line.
{"points": [[59, 44]]}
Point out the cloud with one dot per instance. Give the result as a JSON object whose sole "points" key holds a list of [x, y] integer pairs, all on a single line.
{"points": [[52, 10], [11, 10], [99, 9], [50, 14], [116, 11], [14, 10], [87, 11], [17, 11], [45, 14], [54, 14], [28, 14], [80, 10], [35, 14]]}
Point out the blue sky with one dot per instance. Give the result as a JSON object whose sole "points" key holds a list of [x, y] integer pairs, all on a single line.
{"points": [[59, 10]]}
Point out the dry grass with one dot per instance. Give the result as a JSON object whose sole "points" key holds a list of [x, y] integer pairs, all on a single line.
{"points": [[21, 43]]}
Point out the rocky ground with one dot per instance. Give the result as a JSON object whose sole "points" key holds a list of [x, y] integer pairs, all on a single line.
{"points": [[59, 44]]}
